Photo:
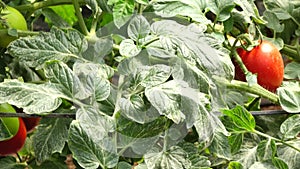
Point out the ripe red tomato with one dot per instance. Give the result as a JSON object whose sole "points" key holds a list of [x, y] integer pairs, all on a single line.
{"points": [[31, 123], [14, 144], [264, 60]]}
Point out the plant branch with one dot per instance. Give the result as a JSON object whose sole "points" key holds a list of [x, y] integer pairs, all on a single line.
{"points": [[96, 17], [291, 52], [119, 95], [276, 139], [254, 89], [21, 33], [80, 17]]}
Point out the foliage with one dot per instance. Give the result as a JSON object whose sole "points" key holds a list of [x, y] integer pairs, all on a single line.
{"points": [[150, 84]]}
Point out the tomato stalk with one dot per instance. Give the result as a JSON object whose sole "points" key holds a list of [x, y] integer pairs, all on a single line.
{"points": [[276, 139], [292, 52], [80, 17], [254, 89], [20, 33]]}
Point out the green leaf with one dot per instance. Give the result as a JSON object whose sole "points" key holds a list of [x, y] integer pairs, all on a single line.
{"points": [[93, 78], [124, 165], [122, 11], [262, 165], [291, 71], [195, 47], [131, 64], [97, 51], [197, 160], [19, 69], [220, 146], [66, 12], [246, 156], [52, 163], [175, 157], [136, 109], [50, 137], [273, 22], [10, 162], [282, 9], [90, 154], [191, 74], [266, 150], [221, 8], [235, 165], [53, 18], [289, 155], [235, 141], [95, 124], [138, 27], [54, 45], [279, 163], [290, 128], [192, 8], [242, 119], [59, 73], [289, 97], [249, 10], [169, 98], [31, 97], [128, 48], [134, 139]]}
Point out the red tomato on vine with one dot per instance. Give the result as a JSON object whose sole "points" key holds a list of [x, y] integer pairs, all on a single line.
{"points": [[264, 60], [14, 144]]}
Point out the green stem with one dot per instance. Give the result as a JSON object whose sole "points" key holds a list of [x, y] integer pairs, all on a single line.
{"points": [[21, 33], [291, 52], [95, 22], [38, 5], [119, 95], [239, 61], [149, 42], [43, 4], [80, 17], [276, 139], [254, 89], [116, 47]]}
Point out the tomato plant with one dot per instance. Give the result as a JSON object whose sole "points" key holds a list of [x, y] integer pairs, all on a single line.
{"points": [[11, 18], [266, 61], [150, 84]]}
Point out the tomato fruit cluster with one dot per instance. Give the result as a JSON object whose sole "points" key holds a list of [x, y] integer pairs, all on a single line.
{"points": [[266, 62], [18, 127], [11, 18]]}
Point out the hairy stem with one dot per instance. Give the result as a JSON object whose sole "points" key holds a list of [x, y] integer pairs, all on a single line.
{"points": [[254, 89], [80, 17], [291, 52]]}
